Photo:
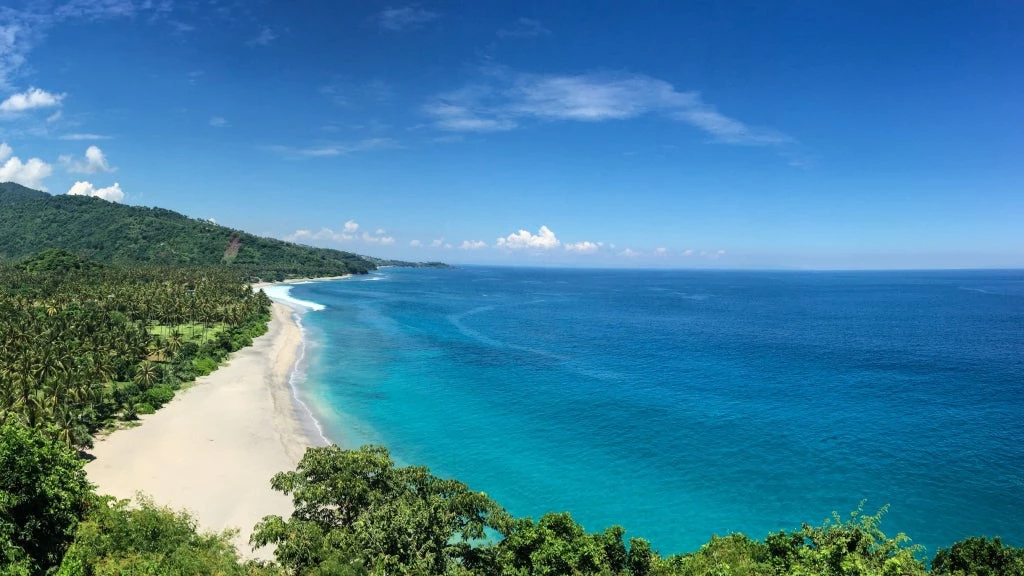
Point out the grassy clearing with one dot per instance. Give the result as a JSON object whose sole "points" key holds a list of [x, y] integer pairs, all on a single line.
{"points": [[190, 332]]}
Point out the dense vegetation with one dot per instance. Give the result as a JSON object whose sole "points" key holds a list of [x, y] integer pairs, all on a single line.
{"points": [[130, 235], [84, 345], [357, 513]]}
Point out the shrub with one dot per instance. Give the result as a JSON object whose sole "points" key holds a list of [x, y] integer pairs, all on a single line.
{"points": [[204, 365], [159, 395], [43, 494]]}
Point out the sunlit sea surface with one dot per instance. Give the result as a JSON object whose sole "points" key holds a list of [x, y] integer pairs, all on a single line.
{"points": [[686, 404]]}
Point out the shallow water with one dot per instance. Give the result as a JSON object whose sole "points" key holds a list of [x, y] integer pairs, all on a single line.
{"points": [[683, 404]]}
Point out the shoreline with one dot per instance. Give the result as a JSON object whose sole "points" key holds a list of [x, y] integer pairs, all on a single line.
{"points": [[213, 449]]}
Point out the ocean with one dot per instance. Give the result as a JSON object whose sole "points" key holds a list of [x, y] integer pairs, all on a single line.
{"points": [[681, 404]]}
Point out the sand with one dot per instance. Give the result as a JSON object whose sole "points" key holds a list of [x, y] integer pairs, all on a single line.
{"points": [[213, 449]]}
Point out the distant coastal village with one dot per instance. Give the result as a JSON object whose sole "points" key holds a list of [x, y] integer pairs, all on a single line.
{"points": [[149, 425]]}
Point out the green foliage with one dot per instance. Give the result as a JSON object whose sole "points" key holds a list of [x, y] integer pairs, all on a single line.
{"points": [[78, 347], [204, 365], [354, 511], [148, 540], [855, 547], [979, 557], [43, 493], [56, 260], [127, 235], [733, 555], [159, 395]]}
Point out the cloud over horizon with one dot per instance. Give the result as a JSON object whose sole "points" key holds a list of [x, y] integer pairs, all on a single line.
{"points": [[349, 232], [544, 239]]}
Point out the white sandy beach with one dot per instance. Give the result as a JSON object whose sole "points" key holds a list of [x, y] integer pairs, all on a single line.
{"points": [[213, 449]]}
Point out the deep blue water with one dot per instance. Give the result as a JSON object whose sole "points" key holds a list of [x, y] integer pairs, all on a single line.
{"points": [[684, 404]]}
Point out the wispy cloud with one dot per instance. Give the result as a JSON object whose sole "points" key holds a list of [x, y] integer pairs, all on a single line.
{"points": [[331, 150], [473, 245], [21, 29], [83, 136], [398, 19], [31, 99], [96, 9], [218, 122], [265, 38], [507, 99], [524, 28]]}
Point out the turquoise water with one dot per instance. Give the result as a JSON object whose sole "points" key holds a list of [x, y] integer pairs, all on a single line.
{"points": [[684, 404]]}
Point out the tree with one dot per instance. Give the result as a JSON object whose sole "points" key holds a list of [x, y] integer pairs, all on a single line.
{"points": [[979, 557], [855, 547], [149, 540], [43, 494], [354, 511]]}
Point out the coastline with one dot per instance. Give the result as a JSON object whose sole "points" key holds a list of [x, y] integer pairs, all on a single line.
{"points": [[214, 448]]}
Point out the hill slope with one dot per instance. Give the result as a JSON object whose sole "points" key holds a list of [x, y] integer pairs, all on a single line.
{"points": [[31, 221]]}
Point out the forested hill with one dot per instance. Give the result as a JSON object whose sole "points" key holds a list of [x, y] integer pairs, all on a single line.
{"points": [[31, 221]]}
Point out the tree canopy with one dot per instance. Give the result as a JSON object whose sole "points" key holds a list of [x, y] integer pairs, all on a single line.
{"points": [[120, 234]]}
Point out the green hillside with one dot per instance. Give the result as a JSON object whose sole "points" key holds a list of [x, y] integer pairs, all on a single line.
{"points": [[31, 221]]}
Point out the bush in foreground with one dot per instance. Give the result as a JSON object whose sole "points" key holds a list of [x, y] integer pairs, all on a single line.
{"points": [[43, 494]]}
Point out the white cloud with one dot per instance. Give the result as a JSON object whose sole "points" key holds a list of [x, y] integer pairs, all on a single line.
{"points": [[506, 98], [397, 19], [347, 233], [95, 161], [265, 38], [83, 136], [473, 245], [31, 99], [336, 149], [688, 252], [544, 240], [524, 28], [437, 242], [447, 246], [23, 27], [218, 122], [379, 236], [415, 243], [661, 250], [93, 9], [629, 253], [322, 234], [449, 115], [55, 116], [583, 247], [110, 193], [31, 173]]}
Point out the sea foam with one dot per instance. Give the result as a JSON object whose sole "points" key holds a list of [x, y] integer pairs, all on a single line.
{"points": [[282, 293]]}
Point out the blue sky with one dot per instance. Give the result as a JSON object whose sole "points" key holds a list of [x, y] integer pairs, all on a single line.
{"points": [[688, 134]]}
